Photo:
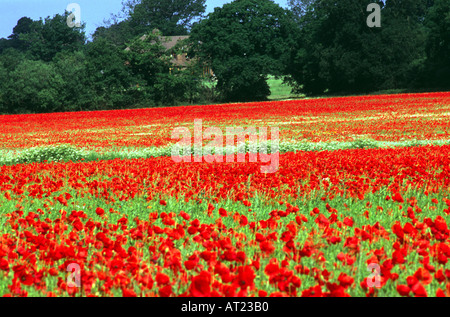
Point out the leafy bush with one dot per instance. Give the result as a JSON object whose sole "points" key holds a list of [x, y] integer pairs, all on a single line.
{"points": [[51, 153], [365, 144]]}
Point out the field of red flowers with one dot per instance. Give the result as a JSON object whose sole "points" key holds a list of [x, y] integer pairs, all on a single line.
{"points": [[153, 227], [386, 117]]}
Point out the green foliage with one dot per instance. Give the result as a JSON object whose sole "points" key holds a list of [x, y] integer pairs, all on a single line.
{"points": [[172, 17], [76, 92], [338, 52], [63, 152], [146, 57], [437, 65], [12, 57], [244, 42], [45, 38], [33, 86], [319, 46], [70, 153], [24, 26], [107, 75], [3, 82], [365, 144], [118, 33]]}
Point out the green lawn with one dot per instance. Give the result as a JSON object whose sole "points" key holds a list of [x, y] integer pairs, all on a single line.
{"points": [[280, 90]]}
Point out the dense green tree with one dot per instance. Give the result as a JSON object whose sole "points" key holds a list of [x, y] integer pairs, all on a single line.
{"points": [[12, 57], [146, 57], [338, 52], [171, 17], [437, 66], [46, 37], [117, 33], [3, 85], [107, 75], [76, 91], [244, 42], [34, 86], [24, 26], [4, 44], [300, 7]]}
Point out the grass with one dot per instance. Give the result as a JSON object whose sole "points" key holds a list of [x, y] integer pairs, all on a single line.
{"points": [[279, 90], [139, 208], [69, 153]]}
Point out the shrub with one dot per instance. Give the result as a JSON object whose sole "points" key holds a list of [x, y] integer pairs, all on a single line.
{"points": [[50, 153]]}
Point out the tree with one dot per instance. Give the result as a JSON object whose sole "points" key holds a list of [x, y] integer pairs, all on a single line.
{"points": [[76, 92], [3, 84], [244, 42], [45, 38], [338, 52], [24, 26], [300, 7], [438, 45], [117, 33], [12, 57], [107, 75], [34, 86], [171, 17]]}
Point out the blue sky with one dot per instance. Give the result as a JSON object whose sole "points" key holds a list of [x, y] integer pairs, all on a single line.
{"points": [[93, 12]]}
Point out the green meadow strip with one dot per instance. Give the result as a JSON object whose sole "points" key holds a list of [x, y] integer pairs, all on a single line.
{"points": [[68, 153]]}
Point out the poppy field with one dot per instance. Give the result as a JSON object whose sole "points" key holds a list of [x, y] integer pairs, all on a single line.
{"points": [[369, 221]]}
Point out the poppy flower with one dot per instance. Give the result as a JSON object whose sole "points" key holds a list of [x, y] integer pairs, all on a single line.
{"points": [[403, 290], [222, 212], [26, 279], [162, 279], [165, 291], [398, 258], [348, 221], [345, 280], [201, 285], [128, 293], [4, 265], [398, 198], [419, 290], [100, 211], [245, 277], [440, 293]]}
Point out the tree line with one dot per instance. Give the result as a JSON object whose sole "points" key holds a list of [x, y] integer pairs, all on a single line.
{"points": [[317, 46]]}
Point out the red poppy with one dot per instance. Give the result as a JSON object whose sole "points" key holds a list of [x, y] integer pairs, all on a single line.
{"points": [[403, 290], [4, 265], [201, 285], [397, 197], [162, 279], [348, 221], [99, 211], [165, 291], [128, 293], [222, 212], [245, 277], [419, 290]]}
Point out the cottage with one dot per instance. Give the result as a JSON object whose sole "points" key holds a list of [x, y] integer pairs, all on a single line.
{"points": [[179, 60]]}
